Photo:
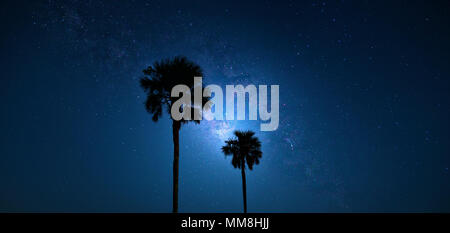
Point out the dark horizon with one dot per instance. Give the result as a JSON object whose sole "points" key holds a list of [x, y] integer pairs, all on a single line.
{"points": [[364, 106]]}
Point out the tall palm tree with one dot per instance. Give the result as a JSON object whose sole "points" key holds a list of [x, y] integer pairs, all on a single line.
{"points": [[157, 83], [245, 149]]}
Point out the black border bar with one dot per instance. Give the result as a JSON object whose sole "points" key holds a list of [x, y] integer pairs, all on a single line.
{"points": [[260, 222]]}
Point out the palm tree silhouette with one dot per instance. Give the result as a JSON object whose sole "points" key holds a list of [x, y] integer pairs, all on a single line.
{"points": [[245, 149], [158, 83]]}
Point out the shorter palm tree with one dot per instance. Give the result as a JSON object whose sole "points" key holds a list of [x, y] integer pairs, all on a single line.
{"points": [[245, 149]]}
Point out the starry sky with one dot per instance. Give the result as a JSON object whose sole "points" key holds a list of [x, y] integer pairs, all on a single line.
{"points": [[364, 105]]}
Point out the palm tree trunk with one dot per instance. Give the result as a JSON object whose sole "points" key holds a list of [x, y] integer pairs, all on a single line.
{"points": [[176, 155], [244, 188]]}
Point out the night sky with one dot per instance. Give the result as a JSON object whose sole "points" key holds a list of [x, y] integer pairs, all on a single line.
{"points": [[364, 105]]}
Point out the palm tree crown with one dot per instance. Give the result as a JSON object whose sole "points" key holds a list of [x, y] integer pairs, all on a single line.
{"points": [[245, 149], [162, 77]]}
